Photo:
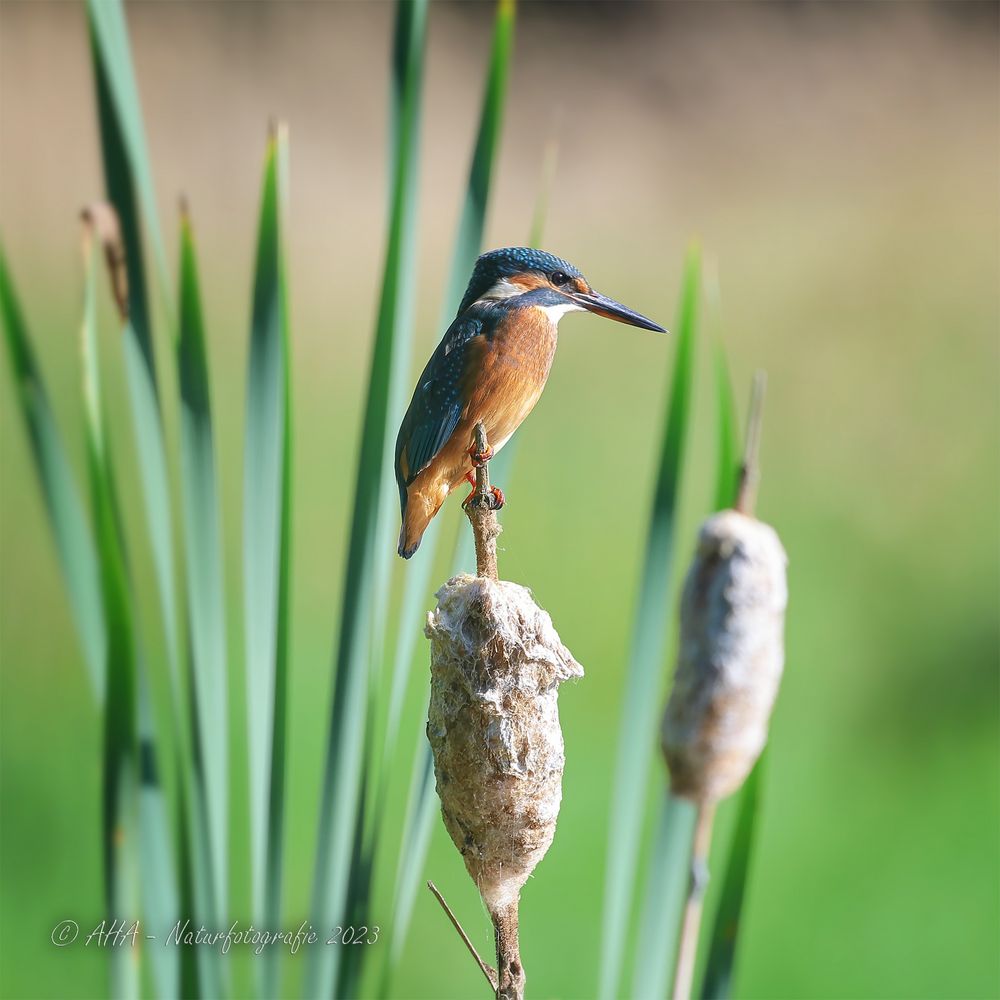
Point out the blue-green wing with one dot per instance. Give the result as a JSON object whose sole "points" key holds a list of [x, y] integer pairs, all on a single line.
{"points": [[437, 402]]}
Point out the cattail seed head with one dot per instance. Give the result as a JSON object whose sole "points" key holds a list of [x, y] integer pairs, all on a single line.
{"points": [[493, 726], [730, 657]]}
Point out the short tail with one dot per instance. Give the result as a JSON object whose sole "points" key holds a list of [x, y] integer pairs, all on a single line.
{"points": [[415, 521]]}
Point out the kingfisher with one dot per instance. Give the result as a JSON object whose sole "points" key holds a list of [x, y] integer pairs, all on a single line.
{"points": [[490, 366]]}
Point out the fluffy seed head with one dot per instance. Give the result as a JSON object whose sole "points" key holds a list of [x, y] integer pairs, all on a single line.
{"points": [[493, 726], [730, 657]]}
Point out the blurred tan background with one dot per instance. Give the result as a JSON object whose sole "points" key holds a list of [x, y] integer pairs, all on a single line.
{"points": [[838, 164]]}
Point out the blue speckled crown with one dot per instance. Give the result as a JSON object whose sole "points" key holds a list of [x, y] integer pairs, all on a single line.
{"points": [[497, 264]]}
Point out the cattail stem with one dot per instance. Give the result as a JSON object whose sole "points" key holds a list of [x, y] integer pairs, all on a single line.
{"points": [[688, 950], [481, 508], [493, 726], [730, 659], [509, 968]]}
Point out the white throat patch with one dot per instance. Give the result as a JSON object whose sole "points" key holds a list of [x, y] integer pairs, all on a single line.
{"points": [[556, 313]]}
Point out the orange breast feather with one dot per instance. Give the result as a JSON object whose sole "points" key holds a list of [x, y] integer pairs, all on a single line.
{"points": [[503, 381]]}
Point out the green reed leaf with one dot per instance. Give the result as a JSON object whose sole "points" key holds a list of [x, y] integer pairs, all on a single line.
{"points": [[405, 101], [85, 585], [266, 502], [157, 873], [203, 564], [120, 831], [718, 981], [128, 182], [727, 454], [468, 245], [659, 927], [138, 847], [64, 504], [346, 741], [637, 733], [422, 804], [549, 162], [666, 890], [469, 238], [122, 131]]}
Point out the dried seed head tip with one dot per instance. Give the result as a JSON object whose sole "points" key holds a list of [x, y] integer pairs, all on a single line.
{"points": [[101, 220], [493, 726], [730, 657]]}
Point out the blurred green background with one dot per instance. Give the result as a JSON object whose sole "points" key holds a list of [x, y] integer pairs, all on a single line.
{"points": [[838, 163]]}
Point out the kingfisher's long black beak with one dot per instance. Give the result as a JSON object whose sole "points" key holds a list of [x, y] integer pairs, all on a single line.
{"points": [[603, 306]]}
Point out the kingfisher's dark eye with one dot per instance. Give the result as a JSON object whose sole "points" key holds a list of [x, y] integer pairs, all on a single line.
{"points": [[558, 277]]}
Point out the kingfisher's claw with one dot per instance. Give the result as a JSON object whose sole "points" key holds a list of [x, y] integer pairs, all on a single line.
{"points": [[494, 500], [480, 458]]}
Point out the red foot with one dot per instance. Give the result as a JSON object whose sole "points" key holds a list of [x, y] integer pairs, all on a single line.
{"points": [[496, 498], [480, 457]]}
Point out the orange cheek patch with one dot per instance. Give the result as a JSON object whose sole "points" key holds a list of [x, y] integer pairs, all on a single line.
{"points": [[581, 286]]}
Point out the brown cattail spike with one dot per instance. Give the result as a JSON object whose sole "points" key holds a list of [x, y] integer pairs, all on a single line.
{"points": [[729, 665], [730, 657], [493, 726]]}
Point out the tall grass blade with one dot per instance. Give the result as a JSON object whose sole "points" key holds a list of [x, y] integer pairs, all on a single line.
{"points": [[191, 984], [725, 928], [129, 183], [422, 804], [127, 179], [405, 98], [659, 928], [666, 887], [73, 537], [203, 563], [118, 99], [120, 771], [718, 982], [407, 83], [198, 881], [637, 739], [79, 564], [141, 852], [344, 761], [404, 169], [421, 808], [468, 245], [469, 239], [157, 874], [728, 459], [266, 485], [550, 160]]}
